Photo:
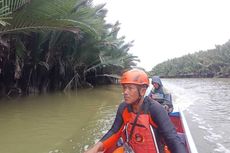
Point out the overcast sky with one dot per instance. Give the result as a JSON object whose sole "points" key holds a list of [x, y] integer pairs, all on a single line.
{"points": [[164, 29]]}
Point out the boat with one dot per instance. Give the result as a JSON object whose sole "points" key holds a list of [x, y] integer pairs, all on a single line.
{"points": [[180, 123], [164, 99]]}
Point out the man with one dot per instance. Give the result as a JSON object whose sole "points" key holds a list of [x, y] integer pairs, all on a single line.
{"points": [[157, 85], [138, 117], [158, 94]]}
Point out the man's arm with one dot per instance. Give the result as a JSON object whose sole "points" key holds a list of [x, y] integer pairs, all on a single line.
{"points": [[112, 135], [166, 128]]}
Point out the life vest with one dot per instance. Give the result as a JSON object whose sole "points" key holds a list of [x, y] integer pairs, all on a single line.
{"points": [[119, 150], [142, 140]]}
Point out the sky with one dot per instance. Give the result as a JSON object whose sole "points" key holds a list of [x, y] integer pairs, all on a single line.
{"points": [[165, 29]]}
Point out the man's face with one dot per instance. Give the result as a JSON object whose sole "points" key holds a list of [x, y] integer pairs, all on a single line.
{"points": [[130, 93], [155, 85]]}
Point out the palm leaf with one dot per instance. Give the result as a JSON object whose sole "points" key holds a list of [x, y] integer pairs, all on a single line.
{"points": [[9, 6], [49, 14]]}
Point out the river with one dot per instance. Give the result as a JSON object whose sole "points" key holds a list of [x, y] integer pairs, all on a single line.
{"points": [[61, 123], [57, 123], [207, 106]]}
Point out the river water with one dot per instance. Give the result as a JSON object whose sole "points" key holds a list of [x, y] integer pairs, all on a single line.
{"points": [[207, 106], [57, 123], [71, 123]]}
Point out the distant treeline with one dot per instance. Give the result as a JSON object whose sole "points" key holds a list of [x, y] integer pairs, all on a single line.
{"points": [[58, 45], [210, 63]]}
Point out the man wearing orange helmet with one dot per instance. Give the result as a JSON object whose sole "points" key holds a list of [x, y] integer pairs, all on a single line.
{"points": [[142, 122]]}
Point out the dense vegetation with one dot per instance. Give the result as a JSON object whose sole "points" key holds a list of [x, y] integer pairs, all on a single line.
{"points": [[210, 63], [54, 45]]}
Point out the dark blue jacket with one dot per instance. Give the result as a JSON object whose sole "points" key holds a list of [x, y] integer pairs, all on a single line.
{"points": [[156, 79]]}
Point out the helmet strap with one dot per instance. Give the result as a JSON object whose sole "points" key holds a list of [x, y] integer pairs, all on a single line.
{"points": [[137, 101]]}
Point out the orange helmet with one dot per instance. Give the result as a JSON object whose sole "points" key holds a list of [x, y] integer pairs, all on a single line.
{"points": [[135, 76]]}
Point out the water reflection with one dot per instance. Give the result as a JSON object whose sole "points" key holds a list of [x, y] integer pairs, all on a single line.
{"points": [[57, 123]]}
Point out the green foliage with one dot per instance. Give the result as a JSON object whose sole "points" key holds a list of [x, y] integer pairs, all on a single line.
{"points": [[7, 7], [58, 45], [210, 63]]}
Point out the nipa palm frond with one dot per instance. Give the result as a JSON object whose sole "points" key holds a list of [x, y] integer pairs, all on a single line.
{"points": [[7, 7], [48, 14]]}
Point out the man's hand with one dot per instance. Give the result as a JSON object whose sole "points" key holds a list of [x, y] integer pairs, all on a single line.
{"points": [[98, 147], [167, 108]]}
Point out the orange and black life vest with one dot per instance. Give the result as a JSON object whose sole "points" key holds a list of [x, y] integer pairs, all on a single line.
{"points": [[142, 140]]}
